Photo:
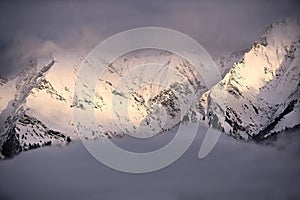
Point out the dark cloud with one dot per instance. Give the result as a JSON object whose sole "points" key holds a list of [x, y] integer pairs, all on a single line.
{"points": [[220, 26]]}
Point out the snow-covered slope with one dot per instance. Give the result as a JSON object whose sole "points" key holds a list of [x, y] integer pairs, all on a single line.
{"points": [[225, 62], [259, 95], [38, 107], [21, 129], [133, 96]]}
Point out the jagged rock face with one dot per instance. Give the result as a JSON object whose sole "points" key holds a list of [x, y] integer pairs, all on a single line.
{"points": [[226, 62], [26, 132], [260, 94], [20, 129], [256, 98], [2, 81], [135, 97], [39, 110]]}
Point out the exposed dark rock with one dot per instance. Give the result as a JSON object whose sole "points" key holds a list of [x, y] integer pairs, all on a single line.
{"points": [[11, 147]]}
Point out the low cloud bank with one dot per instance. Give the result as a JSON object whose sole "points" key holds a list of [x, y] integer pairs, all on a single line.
{"points": [[233, 170]]}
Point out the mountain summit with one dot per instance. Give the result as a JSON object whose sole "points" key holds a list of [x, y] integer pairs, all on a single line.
{"points": [[257, 97]]}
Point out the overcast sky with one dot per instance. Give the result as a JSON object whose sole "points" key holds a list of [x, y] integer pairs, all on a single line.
{"points": [[221, 26]]}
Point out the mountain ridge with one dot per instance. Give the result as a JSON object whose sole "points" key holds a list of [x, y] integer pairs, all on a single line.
{"points": [[36, 106], [259, 96]]}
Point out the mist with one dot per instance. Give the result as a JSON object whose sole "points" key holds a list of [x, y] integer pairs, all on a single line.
{"points": [[233, 170]]}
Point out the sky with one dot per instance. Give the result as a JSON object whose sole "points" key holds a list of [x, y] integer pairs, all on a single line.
{"points": [[33, 28]]}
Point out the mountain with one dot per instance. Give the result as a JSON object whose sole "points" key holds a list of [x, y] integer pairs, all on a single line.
{"points": [[21, 128], [257, 97], [225, 62], [141, 100], [38, 105]]}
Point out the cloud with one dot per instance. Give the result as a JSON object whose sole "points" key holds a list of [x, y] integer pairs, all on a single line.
{"points": [[233, 170], [220, 26]]}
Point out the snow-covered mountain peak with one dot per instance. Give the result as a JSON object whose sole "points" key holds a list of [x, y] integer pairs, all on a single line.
{"points": [[281, 32], [225, 62], [133, 78], [21, 128], [262, 88], [258, 96]]}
